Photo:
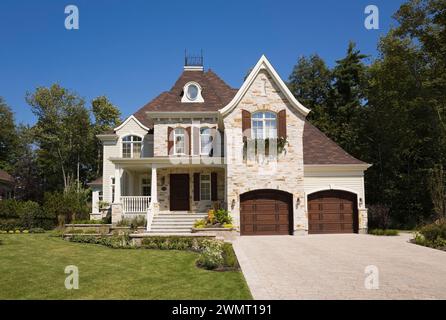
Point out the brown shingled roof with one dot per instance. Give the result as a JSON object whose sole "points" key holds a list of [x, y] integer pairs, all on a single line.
{"points": [[216, 94], [6, 177], [96, 182], [319, 149]]}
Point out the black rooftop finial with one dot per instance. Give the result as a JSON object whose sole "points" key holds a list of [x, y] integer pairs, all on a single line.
{"points": [[193, 60]]}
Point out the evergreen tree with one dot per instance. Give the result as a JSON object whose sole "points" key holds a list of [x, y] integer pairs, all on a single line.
{"points": [[310, 82]]}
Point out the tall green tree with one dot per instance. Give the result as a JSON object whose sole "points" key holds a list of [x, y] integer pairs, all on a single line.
{"points": [[404, 134], [26, 170], [62, 134], [310, 83], [9, 140], [346, 101], [106, 117]]}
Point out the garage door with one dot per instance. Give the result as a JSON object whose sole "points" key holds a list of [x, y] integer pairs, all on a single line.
{"points": [[265, 212], [332, 212]]}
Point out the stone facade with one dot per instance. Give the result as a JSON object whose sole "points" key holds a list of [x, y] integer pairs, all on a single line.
{"points": [[287, 173], [237, 175], [195, 206], [160, 139]]}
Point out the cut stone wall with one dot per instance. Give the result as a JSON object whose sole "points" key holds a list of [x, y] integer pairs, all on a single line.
{"points": [[287, 174], [163, 177], [160, 137]]}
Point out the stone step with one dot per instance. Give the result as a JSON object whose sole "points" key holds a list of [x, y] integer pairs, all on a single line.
{"points": [[175, 231], [191, 221], [184, 230], [180, 216], [167, 225], [175, 219]]}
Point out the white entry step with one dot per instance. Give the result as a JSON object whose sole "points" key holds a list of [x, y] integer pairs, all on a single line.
{"points": [[175, 222]]}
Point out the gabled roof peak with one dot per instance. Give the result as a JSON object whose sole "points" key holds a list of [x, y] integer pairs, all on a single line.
{"points": [[263, 64]]}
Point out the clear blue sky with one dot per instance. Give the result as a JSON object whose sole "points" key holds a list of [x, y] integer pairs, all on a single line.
{"points": [[132, 50]]}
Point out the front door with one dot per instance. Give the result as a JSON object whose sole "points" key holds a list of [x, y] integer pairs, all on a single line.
{"points": [[179, 192]]}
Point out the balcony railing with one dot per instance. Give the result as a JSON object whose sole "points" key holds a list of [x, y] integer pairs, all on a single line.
{"points": [[135, 204]]}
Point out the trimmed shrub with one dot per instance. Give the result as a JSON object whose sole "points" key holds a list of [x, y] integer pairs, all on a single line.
{"points": [[87, 221], [432, 235], [386, 232], [173, 243], [22, 215], [434, 231], [115, 242], [37, 230]]}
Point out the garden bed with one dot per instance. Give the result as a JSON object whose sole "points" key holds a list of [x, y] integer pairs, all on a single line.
{"points": [[215, 254], [432, 236]]}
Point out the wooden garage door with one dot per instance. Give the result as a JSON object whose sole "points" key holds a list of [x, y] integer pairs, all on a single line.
{"points": [[265, 213], [332, 212]]}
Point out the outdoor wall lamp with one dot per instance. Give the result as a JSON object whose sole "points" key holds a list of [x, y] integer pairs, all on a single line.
{"points": [[360, 202], [232, 204], [297, 203]]}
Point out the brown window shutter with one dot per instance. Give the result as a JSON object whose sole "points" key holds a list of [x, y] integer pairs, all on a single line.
{"points": [[196, 186], [281, 132], [246, 123], [188, 142], [169, 140], [196, 140], [214, 196]]}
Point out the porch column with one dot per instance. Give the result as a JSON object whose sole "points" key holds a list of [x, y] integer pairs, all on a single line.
{"points": [[154, 186], [95, 200], [118, 175]]}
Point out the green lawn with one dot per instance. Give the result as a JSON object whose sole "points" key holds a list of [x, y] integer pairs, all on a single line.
{"points": [[32, 267]]}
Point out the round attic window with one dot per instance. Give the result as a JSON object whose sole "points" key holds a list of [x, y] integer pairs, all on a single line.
{"points": [[192, 92]]}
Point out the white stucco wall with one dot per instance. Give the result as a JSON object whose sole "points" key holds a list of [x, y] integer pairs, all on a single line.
{"points": [[114, 150], [317, 179]]}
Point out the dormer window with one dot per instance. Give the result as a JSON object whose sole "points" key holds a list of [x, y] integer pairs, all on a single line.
{"points": [[192, 93], [131, 147]]}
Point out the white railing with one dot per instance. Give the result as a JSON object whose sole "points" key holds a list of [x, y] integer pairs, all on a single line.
{"points": [[135, 204]]}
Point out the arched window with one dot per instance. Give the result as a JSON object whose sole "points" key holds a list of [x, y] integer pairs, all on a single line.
{"points": [[205, 141], [264, 125], [179, 141], [131, 147]]}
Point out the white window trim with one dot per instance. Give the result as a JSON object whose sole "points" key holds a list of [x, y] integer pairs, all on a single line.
{"points": [[175, 141], [131, 145], [185, 98], [199, 142], [206, 182], [263, 121]]}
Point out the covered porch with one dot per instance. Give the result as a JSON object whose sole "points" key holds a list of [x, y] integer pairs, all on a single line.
{"points": [[142, 188]]}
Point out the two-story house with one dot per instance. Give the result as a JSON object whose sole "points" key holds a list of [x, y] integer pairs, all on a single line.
{"points": [[203, 144]]}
